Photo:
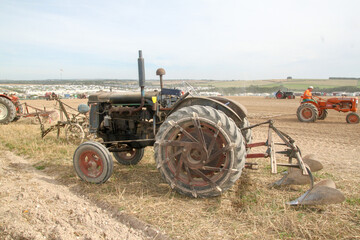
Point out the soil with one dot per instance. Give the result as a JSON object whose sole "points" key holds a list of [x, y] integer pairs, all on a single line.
{"points": [[35, 206]]}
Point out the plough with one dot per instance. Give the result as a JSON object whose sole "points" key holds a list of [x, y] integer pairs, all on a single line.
{"points": [[75, 126], [300, 171], [38, 112]]}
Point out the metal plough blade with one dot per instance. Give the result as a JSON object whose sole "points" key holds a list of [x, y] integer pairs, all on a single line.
{"points": [[294, 176], [313, 163], [322, 193]]}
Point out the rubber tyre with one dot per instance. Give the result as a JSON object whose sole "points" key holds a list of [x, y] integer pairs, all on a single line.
{"points": [[247, 133], [352, 118], [307, 112], [193, 177], [241, 111], [7, 111], [279, 95], [135, 156], [322, 114], [19, 112], [93, 162]]}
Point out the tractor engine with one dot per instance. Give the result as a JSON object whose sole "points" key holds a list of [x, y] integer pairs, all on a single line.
{"points": [[117, 117]]}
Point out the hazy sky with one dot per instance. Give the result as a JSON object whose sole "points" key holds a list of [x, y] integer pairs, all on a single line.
{"points": [[190, 39]]}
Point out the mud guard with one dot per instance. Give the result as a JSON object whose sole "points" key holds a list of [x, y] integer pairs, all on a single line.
{"points": [[237, 107], [211, 102]]}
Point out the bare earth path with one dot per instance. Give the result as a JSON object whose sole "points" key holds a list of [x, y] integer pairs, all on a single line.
{"points": [[34, 206]]}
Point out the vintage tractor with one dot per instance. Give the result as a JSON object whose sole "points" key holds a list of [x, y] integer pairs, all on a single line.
{"points": [[314, 109], [200, 143], [10, 108], [284, 95]]}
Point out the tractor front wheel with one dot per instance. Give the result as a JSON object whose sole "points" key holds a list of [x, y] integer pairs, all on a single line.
{"points": [[7, 111], [352, 118], [199, 151], [131, 157], [92, 162], [307, 112]]}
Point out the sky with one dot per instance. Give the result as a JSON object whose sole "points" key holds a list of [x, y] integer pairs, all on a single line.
{"points": [[190, 39]]}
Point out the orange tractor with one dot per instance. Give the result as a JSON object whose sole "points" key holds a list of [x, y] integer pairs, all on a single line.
{"points": [[312, 109]]}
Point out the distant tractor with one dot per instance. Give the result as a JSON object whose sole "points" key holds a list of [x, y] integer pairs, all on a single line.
{"points": [[317, 109], [10, 108], [283, 95], [49, 96]]}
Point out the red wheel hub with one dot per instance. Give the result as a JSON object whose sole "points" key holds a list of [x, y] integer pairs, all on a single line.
{"points": [[353, 119], [91, 164], [306, 113]]}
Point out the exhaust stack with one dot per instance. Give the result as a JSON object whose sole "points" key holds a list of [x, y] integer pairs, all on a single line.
{"points": [[141, 67]]}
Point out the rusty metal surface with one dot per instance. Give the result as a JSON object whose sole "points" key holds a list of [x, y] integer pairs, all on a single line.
{"points": [[202, 101]]}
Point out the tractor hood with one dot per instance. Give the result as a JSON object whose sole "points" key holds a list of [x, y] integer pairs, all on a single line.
{"points": [[120, 98]]}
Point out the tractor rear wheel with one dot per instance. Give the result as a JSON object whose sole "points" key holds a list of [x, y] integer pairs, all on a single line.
{"points": [[352, 118], [92, 162], [246, 133], [19, 112], [241, 111], [7, 111], [307, 112], [131, 157], [279, 95], [199, 151], [322, 114]]}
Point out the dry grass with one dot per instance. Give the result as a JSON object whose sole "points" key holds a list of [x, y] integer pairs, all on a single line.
{"points": [[250, 210]]}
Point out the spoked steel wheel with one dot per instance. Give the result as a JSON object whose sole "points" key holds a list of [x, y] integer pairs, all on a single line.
{"points": [[241, 111], [74, 133], [131, 157], [307, 112], [93, 162], [200, 151]]}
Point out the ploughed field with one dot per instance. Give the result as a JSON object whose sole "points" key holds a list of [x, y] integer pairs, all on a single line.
{"points": [[249, 210]]}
